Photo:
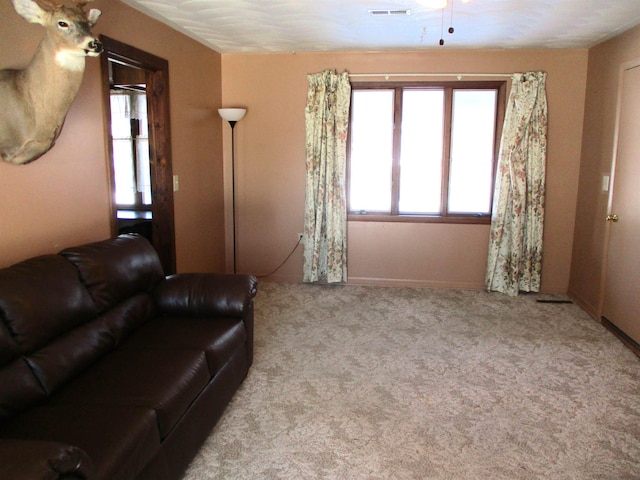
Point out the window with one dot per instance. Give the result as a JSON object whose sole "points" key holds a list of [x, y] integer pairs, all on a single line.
{"points": [[424, 151], [130, 136]]}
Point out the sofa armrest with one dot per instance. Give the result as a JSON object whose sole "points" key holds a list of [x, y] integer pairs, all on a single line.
{"points": [[206, 294], [34, 459]]}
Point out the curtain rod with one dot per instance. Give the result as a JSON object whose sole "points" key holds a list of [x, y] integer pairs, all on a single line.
{"points": [[457, 75]]}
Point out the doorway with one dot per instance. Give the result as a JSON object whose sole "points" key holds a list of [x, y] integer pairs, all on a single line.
{"points": [[136, 97]]}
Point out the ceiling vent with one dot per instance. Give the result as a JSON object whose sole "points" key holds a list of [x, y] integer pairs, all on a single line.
{"points": [[385, 13]]}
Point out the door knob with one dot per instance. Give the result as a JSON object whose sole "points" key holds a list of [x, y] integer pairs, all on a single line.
{"points": [[612, 218]]}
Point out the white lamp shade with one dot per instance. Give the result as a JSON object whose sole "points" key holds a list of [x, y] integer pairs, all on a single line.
{"points": [[232, 114]]}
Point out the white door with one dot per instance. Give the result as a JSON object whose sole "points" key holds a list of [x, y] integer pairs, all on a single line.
{"points": [[622, 285]]}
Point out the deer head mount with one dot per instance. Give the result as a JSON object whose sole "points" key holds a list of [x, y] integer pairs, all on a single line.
{"points": [[34, 101]]}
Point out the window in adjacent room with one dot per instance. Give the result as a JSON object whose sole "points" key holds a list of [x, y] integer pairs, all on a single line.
{"points": [[424, 151], [130, 135]]}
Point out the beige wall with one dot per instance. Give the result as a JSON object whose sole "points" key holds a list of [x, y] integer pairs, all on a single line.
{"points": [[605, 61], [62, 199], [270, 162]]}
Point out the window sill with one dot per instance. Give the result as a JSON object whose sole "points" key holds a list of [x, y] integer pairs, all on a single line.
{"points": [[454, 219], [133, 214]]}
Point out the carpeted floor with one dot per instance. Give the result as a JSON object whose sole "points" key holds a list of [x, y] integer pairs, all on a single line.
{"points": [[355, 382]]}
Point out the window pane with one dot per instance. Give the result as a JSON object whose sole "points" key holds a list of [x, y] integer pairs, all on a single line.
{"points": [[144, 170], [132, 172], [142, 149], [472, 150], [421, 151], [122, 149], [120, 114], [124, 174], [371, 150]]}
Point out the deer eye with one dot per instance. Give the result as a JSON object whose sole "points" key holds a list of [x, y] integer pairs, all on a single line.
{"points": [[62, 24]]}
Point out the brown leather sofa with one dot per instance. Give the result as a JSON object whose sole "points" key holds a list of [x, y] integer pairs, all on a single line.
{"points": [[109, 370]]}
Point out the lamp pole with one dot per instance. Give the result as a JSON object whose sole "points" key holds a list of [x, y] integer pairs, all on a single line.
{"points": [[233, 115], [232, 124]]}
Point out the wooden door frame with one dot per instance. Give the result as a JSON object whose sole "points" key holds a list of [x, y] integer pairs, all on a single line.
{"points": [[157, 88]]}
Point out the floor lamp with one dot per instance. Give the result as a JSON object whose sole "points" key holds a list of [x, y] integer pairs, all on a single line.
{"points": [[233, 115]]}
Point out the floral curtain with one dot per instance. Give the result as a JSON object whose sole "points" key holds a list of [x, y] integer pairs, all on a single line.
{"points": [[515, 248], [325, 220]]}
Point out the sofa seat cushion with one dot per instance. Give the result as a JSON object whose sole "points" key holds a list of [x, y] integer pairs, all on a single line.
{"points": [[119, 440], [218, 338], [165, 381]]}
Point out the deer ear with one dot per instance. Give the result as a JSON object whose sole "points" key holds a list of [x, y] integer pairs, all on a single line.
{"points": [[30, 11], [93, 16]]}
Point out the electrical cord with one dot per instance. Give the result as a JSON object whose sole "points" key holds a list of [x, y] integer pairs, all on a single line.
{"points": [[285, 260]]}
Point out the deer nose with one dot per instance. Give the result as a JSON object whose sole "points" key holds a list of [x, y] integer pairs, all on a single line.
{"points": [[95, 46]]}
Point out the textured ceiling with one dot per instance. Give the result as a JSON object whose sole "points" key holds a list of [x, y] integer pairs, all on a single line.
{"points": [[331, 25]]}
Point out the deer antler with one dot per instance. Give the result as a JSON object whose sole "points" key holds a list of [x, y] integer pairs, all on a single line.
{"points": [[50, 4]]}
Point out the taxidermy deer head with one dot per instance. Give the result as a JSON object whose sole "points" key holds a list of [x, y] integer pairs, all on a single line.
{"points": [[34, 101]]}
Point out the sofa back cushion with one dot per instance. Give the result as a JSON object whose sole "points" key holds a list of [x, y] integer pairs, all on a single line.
{"points": [[9, 350], [41, 299], [71, 353], [20, 389], [18, 384], [116, 269]]}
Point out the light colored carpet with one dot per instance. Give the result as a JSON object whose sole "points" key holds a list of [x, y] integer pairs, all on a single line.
{"points": [[354, 382]]}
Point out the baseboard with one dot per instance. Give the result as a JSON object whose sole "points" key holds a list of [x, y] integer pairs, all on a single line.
{"points": [[392, 282], [630, 343], [590, 309], [403, 282], [277, 278], [386, 282]]}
